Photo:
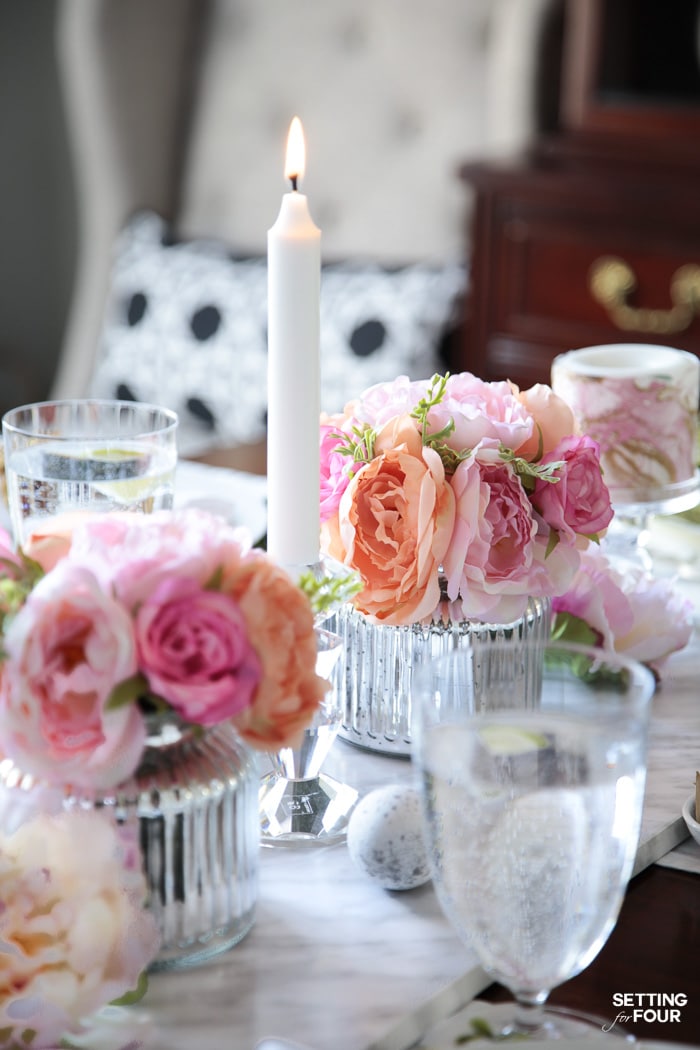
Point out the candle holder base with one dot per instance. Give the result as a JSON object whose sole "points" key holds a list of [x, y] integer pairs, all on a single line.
{"points": [[304, 812]]}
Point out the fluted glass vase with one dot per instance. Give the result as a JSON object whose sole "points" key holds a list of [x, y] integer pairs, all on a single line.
{"points": [[190, 814], [380, 660]]}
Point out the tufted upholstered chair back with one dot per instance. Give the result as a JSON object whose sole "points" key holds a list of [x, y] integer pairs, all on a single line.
{"points": [[183, 106]]}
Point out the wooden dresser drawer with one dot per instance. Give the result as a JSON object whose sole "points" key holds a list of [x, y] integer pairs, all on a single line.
{"points": [[562, 261]]}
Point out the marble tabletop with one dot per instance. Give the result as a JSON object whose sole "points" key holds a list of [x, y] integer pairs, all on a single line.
{"points": [[334, 962]]}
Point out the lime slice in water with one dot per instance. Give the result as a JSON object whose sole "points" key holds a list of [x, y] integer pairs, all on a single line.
{"points": [[511, 740]]}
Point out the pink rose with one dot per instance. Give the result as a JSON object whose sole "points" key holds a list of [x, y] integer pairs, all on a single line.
{"points": [[396, 519], [481, 410], [194, 649], [335, 470], [492, 550], [281, 624], [66, 649], [578, 503]]}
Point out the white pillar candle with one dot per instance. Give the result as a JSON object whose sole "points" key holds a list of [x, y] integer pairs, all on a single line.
{"points": [[294, 397]]}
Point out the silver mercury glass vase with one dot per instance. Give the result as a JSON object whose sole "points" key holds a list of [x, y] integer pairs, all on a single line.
{"points": [[380, 660]]}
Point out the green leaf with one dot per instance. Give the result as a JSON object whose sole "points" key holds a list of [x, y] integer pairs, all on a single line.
{"points": [[127, 692], [330, 591], [136, 994], [569, 628]]}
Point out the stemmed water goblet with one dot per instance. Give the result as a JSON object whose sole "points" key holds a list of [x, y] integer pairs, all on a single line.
{"points": [[532, 816]]}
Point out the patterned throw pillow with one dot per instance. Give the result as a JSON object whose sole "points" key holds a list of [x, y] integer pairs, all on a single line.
{"points": [[186, 327]]}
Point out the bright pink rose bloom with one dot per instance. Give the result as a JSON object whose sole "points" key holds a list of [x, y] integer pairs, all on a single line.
{"points": [[578, 504], [7, 552], [481, 410], [67, 648], [335, 470], [554, 420], [194, 649], [396, 519]]}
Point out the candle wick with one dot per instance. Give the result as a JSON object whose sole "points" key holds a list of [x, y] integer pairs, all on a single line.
{"points": [[294, 179]]}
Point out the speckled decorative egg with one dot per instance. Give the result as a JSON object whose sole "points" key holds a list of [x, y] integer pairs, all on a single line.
{"points": [[385, 838]]}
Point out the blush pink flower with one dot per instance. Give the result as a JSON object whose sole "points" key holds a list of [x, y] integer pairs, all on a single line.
{"points": [[66, 649], [133, 553], [73, 930], [396, 519], [479, 411], [631, 613], [381, 402], [195, 650], [578, 503], [596, 597]]}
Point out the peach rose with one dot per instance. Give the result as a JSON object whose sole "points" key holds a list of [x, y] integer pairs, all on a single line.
{"points": [[280, 623], [51, 541], [553, 418], [396, 520]]}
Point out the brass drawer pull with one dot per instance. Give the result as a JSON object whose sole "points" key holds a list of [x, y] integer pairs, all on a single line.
{"points": [[611, 281]]}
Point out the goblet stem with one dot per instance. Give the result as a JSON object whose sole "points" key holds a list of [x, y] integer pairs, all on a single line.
{"points": [[530, 1018]]}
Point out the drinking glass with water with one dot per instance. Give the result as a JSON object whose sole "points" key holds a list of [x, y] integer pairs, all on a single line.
{"points": [[87, 455]]}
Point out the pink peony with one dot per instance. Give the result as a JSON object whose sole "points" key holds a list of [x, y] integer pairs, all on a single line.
{"points": [[578, 503], [492, 549], [479, 411], [74, 933], [381, 402], [133, 553], [629, 612], [195, 650], [67, 647], [395, 521]]}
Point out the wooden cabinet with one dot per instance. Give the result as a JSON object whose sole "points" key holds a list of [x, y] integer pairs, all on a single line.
{"points": [[595, 237]]}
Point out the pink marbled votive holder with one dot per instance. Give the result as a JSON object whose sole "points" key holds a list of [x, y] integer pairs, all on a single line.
{"points": [[640, 403]]}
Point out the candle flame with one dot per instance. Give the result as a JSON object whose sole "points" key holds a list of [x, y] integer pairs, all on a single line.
{"points": [[295, 164]]}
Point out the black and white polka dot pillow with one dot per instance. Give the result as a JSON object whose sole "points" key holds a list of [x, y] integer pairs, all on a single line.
{"points": [[186, 327]]}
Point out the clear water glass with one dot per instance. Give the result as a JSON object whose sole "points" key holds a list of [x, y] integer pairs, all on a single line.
{"points": [[83, 455], [532, 817]]}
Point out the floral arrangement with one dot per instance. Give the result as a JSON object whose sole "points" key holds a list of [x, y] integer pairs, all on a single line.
{"points": [[457, 498], [109, 618], [74, 934], [629, 613]]}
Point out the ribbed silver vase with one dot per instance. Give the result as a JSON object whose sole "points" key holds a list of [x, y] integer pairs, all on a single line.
{"points": [[189, 817], [380, 660]]}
